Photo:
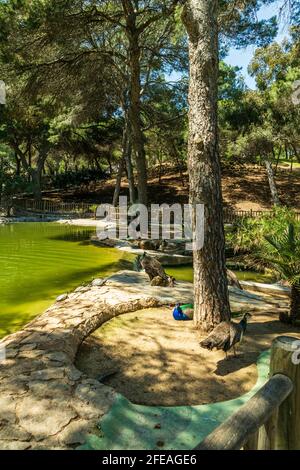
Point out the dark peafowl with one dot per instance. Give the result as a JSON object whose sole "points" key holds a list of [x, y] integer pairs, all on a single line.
{"points": [[152, 267], [226, 335], [155, 271]]}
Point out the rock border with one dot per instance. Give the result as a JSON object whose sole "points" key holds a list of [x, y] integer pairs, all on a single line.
{"points": [[45, 402]]}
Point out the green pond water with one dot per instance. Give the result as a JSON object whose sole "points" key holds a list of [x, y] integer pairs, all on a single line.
{"points": [[185, 273], [39, 261]]}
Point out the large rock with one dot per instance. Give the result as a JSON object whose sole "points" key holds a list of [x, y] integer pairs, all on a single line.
{"points": [[62, 298], [76, 432], [7, 409], [14, 445], [92, 399], [50, 389], [48, 374], [43, 418], [13, 433]]}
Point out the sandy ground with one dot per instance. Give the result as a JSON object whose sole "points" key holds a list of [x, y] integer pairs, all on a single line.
{"points": [[158, 361], [244, 188]]}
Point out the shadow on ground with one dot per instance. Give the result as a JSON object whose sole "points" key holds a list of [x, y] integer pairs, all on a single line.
{"points": [[157, 361]]}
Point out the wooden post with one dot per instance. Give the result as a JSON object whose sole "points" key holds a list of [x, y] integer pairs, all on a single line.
{"points": [[285, 359], [242, 426]]}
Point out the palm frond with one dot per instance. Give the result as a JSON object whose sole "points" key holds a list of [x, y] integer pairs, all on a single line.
{"points": [[274, 244]]}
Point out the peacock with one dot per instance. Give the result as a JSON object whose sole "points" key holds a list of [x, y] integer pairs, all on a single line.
{"points": [[226, 335], [184, 312], [155, 271]]}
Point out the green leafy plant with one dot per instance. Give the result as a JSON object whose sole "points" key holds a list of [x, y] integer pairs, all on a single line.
{"points": [[273, 241], [93, 208], [284, 256]]}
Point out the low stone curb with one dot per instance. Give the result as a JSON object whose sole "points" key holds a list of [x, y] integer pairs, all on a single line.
{"points": [[45, 401]]}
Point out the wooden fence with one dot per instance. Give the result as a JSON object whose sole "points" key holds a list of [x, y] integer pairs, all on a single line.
{"points": [[231, 216], [83, 209], [270, 420], [6, 206], [49, 207]]}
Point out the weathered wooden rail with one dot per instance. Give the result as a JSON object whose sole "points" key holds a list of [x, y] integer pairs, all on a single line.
{"points": [[231, 216], [6, 206], [270, 420], [47, 206]]}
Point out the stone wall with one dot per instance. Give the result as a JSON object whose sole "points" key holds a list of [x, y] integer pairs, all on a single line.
{"points": [[45, 402]]}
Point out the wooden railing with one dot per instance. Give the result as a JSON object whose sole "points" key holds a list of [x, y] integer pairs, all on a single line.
{"points": [[6, 206], [231, 216], [270, 420], [81, 209], [51, 207]]}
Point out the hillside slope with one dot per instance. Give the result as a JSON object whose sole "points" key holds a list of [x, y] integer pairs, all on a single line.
{"points": [[244, 188]]}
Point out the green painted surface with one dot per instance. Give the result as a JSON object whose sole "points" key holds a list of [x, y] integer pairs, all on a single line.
{"points": [[39, 261], [133, 427]]}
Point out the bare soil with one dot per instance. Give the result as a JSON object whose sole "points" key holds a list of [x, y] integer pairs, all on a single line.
{"points": [[158, 361], [244, 188]]}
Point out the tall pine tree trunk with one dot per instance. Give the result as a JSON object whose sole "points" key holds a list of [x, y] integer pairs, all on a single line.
{"points": [[133, 32], [130, 175], [272, 184], [118, 183], [210, 280], [36, 176], [126, 163], [135, 119], [18, 165]]}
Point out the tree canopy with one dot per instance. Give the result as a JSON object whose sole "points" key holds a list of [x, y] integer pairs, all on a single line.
{"points": [[72, 65]]}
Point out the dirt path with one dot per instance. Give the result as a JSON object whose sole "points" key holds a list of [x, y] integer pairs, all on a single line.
{"points": [[159, 361]]}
